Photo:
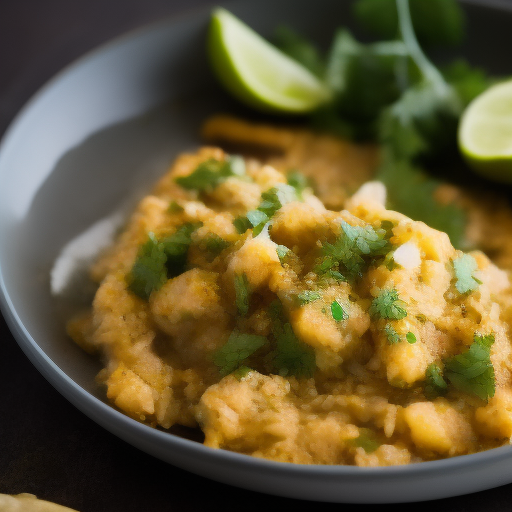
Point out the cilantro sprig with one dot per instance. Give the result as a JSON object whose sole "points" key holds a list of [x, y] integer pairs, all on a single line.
{"points": [[472, 371], [159, 260], [239, 347], [464, 266], [271, 201], [353, 252], [291, 357], [388, 305], [211, 173]]}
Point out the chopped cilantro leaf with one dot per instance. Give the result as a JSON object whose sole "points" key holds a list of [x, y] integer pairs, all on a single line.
{"points": [[410, 337], [282, 252], [353, 251], [174, 207], [236, 350], [242, 224], [149, 272], [298, 181], [211, 173], [242, 372], [242, 294], [275, 198], [176, 247], [367, 440], [308, 296], [388, 305], [257, 218], [392, 336], [464, 266], [472, 371], [337, 311], [291, 356], [435, 385], [214, 245], [159, 260]]}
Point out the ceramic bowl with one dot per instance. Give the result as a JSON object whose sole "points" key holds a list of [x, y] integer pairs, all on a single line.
{"points": [[113, 121]]}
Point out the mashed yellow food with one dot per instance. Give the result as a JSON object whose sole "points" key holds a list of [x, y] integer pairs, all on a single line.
{"points": [[315, 329]]}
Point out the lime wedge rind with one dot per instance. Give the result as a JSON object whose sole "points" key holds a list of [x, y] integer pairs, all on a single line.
{"points": [[485, 133], [256, 72]]}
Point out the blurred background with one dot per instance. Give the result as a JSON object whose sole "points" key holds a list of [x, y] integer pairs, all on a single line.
{"points": [[47, 447]]}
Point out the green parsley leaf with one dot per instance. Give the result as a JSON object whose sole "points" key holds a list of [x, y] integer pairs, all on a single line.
{"points": [[242, 372], [282, 252], [388, 305], [242, 224], [149, 272], [236, 350], [472, 371], [275, 198], [392, 336], [257, 218], [211, 173], [367, 440], [174, 207], [242, 294], [308, 296], [298, 181], [435, 385], [366, 78], [410, 337], [299, 49], [437, 22], [176, 248], [464, 266], [337, 311], [214, 245], [291, 356], [158, 261], [353, 251]]}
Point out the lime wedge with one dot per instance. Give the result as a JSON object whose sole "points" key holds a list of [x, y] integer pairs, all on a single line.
{"points": [[485, 133], [257, 73]]}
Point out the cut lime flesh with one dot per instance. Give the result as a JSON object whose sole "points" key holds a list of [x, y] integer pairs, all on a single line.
{"points": [[485, 133], [256, 72]]}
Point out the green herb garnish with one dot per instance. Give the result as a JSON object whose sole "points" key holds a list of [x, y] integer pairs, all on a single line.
{"points": [[472, 371], [435, 385], [410, 337], [464, 267], [291, 356], [149, 272], [308, 296], [211, 173], [388, 305], [214, 245], [367, 440], [174, 207], [353, 251], [242, 294], [159, 260], [391, 335], [337, 311], [282, 252], [239, 347]]}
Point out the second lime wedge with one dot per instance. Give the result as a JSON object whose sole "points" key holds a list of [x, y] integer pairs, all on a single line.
{"points": [[256, 72], [485, 133]]}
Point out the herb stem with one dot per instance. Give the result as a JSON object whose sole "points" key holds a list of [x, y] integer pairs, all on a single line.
{"points": [[429, 71]]}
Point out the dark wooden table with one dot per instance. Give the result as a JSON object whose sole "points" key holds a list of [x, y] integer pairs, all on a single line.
{"points": [[47, 447]]}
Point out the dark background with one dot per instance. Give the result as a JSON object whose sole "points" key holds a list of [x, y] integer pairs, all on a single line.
{"points": [[47, 447]]}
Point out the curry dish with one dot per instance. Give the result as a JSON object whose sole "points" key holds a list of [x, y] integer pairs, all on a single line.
{"points": [[276, 304]]}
